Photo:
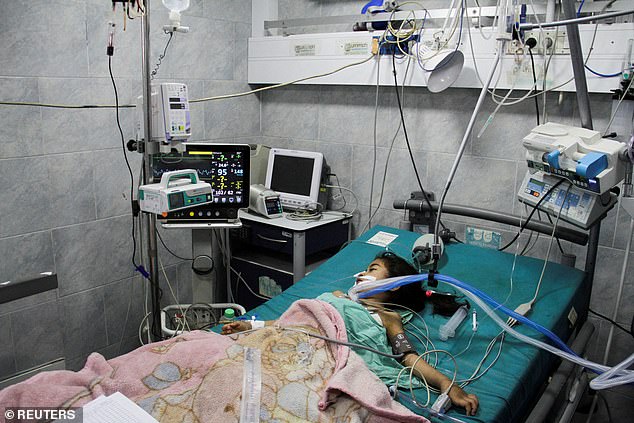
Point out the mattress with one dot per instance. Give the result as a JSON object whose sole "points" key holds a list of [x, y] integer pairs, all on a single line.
{"points": [[510, 387]]}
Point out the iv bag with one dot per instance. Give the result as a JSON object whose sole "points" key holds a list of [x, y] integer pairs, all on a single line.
{"points": [[176, 5]]}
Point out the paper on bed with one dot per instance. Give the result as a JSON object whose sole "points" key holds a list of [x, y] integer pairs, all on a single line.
{"points": [[115, 408]]}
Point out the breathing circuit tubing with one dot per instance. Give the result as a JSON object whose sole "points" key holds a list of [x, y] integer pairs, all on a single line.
{"points": [[367, 289], [400, 281]]}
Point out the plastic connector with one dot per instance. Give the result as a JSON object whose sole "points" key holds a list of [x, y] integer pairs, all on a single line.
{"points": [[142, 271], [442, 404], [110, 45], [446, 235]]}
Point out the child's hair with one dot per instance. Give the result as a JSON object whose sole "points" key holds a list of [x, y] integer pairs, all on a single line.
{"points": [[412, 295]]}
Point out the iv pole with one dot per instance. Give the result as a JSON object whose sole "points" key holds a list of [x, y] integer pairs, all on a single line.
{"points": [[147, 171]]}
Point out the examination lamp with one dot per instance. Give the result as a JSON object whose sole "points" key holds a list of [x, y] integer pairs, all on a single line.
{"points": [[443, 69], [442, 66]]}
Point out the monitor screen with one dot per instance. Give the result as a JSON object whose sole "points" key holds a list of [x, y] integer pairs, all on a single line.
{"points": [[295, 175], [224, 166], [292, 174]]}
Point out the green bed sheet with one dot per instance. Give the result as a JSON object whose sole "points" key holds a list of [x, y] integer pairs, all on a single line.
{"points": [[509, 388]]}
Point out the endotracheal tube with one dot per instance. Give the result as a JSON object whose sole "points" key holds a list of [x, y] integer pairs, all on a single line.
{"points": [[617, 375]]}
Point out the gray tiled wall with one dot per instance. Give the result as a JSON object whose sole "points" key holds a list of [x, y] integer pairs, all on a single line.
{"points": [[65, 187], [338, 121]]}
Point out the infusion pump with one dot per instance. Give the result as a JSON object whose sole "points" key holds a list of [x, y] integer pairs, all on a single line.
{"points": [[578, 206], [170, 118], [589, 165]]}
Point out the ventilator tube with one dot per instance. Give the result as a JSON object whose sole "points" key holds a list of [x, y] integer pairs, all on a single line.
{"points": [[618, 375]]}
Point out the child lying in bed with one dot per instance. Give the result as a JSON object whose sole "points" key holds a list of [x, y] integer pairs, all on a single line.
{"points": [[371, 324]]}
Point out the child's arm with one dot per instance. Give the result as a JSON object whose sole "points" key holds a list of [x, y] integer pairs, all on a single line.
{"points": [[241, 326], [394, 326]]}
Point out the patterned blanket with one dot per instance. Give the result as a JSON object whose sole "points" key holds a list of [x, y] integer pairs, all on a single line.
{"points": [[197, 376]]}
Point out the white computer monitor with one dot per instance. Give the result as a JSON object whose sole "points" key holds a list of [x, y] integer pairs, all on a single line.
{"points": [[295, 175]]}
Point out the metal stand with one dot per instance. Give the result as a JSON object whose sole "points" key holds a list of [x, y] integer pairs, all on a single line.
{"points": [[147, 174]]}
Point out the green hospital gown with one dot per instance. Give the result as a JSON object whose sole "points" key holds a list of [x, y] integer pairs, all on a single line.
{"points": [[362, 328]]}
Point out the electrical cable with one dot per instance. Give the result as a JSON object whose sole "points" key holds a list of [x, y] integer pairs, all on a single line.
{"points": [[241, 279], [343, 197], [374, 136], [463, 144], [623, 328], [389, 152], [561, 249], [284, 84], [409, 148], [356, 199], [535, 208], [530, 52], [528, 247], [161, 56], [306, 213], [141, 328], [550, 243], [196, 270], [580, 7], [218, 97], [125, 156], [616, 109], [169, 285], [544, 90], [347, 344]]}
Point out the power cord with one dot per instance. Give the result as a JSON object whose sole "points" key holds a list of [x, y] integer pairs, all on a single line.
{"points": [[409, 148], [110, 52], [623, 328], [307, 213], [202, 271], [162, 56], [531, 42], [530, 216]]}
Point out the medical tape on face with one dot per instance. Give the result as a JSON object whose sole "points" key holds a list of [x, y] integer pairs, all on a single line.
{"points": [[368, 289], [364, 278]]}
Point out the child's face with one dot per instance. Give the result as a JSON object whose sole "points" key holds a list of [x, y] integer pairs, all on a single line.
{"points": [[376, 270]]}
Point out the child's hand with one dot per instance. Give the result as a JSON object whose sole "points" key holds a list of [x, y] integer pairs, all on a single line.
{"points": [[235, 327], [462, 399]]}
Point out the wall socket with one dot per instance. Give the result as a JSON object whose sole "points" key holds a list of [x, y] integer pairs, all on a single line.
{"points": [[549, 42]]}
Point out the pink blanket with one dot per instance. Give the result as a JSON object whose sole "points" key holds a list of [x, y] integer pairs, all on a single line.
{"points": [[197, 376]]}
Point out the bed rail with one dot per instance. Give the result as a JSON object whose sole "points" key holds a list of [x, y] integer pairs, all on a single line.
{"points": [[569, 234]]}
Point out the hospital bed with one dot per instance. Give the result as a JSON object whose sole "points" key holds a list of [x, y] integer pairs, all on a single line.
{"points": [[512, 385], [158, 376]]}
